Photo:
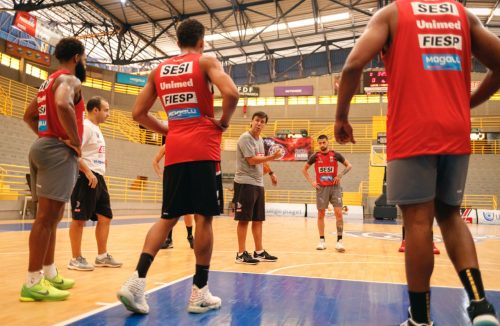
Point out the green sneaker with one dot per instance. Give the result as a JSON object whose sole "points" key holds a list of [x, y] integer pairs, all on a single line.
{"points": [[61, 283], [42, 291]]}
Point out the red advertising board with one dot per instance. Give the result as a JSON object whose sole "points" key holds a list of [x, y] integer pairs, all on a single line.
{"points": [[25, 22], [292, 149]]}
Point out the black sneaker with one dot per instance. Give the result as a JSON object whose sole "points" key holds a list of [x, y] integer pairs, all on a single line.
{"points": [[264, 256], [168, 244], [245, 258], [191, 241], [482, 313], [411, 322]]}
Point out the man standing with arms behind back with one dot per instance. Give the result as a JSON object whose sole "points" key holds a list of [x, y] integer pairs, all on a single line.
{"points": [[328, 189], [427, 54], [56, 116], [192, 181]]}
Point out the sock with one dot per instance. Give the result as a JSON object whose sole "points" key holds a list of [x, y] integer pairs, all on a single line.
{"points": [[339, 237], [169, 237], [33, 278], [473, 284], [102, 256], [322, 237], [50, 271], [189, 231], [200, 279], [144, 263], [420, 305], [258, 252]]}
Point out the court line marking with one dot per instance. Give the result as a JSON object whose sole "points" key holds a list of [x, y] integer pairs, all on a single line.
{"points": [[115, 304]]}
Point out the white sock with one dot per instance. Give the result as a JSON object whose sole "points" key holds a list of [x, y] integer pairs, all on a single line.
{"points": [[259, 252], [50, 271], [102, 256], [33, 278]]}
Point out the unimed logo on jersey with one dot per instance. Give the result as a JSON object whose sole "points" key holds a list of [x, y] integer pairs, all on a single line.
{"points": [[447, 8], [180, 98], [440, 41], [441, 62], [177, 70]]}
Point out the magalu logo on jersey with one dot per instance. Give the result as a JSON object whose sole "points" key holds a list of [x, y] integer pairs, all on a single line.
{"points": [[442, 62], [181, 114], [326, 178], [177, 70], [42, 125], [180, 98], [440, 41], [42, 110], [447, 8]]}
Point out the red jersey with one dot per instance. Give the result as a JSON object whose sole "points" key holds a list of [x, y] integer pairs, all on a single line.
{"points": [[48, 123], [187, 98], [428, 68], [326, 168]]}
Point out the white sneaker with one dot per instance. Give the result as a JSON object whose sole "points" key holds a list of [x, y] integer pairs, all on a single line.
{"points": [[321, 245], [132, 295], [340, 246], [202, 300]]}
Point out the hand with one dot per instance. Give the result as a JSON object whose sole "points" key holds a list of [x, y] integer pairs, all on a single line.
{"points": [[274, 180], [218, 123], [343, 132], [276, 155], [315, 185], [77, 149], [92, 179], [336, 180]]}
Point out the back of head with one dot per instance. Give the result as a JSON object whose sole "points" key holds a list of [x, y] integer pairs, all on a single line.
{"points": [[189, 32], [67, 48]]}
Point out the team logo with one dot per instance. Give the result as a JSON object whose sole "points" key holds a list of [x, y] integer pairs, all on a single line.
{"points": [[442, 62], [180, 98], [177, 70], [488, 216], [434, 9], [181, 114], [42, 110], [440, 41]]}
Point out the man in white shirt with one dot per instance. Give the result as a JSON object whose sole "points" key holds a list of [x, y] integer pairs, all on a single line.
{"points": [[90, 198]]}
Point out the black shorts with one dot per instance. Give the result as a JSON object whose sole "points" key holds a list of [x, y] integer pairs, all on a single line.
{"points": [[192, 188], [86, 202], [249, 202]]}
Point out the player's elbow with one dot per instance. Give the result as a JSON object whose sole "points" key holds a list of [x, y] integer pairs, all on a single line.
{"points": [[232, 96]]}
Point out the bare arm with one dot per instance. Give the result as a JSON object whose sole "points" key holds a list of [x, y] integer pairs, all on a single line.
{"points": [[143, 104], [254, 160], [67, 93], [305, 172], [348, 167], [88, 173], [272, 175], [156, 161], [31, 115], [486, 48], [226, 86], [369, 44]]}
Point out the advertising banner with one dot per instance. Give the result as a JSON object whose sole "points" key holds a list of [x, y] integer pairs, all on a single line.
{"points": [[293, 91], [20, 51], [283, 209], [349, 212], [248, 91], [486, 216], [469, 215], [292, 149], [133, 80], [34, 27]]}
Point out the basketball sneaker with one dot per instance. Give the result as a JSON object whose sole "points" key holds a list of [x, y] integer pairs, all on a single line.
{"points": [[202, 300], [264, 256], [168, 244], [61, 283], [411, 322], [245, 258], [482, 313], [340, 246], [131, 294], [402, 247], [321, 245], [435, 250], [42, 291], [107, 261], [80, 264]]}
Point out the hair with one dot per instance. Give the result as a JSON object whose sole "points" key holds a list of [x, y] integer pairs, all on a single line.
{"points": [[94, 102], [189, 32], [260, 114], [323, 137], [67, 48]]}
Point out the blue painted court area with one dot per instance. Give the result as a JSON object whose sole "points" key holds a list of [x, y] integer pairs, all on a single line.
{"points": [[260, 299]]}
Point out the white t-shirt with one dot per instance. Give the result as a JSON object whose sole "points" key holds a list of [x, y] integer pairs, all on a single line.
{"points": [[93, 147]]}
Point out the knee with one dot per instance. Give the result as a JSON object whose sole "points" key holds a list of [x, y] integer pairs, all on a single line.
{"points": [[445, 212]]}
